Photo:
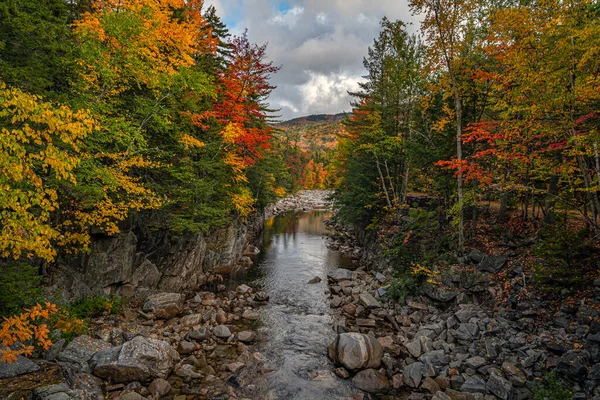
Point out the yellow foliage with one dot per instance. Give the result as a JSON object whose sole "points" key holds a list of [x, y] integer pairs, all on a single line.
{"points": [[38, 142], [231, 132], [243, 202], [190, 141], [25, 329]]}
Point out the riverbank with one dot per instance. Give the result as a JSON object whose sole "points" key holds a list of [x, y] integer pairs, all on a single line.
{"points": [[191, 344], [456, 340]]}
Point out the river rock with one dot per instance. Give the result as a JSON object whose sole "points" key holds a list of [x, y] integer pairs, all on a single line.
{"points": [[474, 385], [80, 350], [165, 305], [371, 381], [356, 351], [140, 359], [200, 334], [191, 320], [159, 387], [314, 280], [251, 315], [243, 289], [186, 347], [340, 274], [61, 391], [414, 373], [261, 297], [222, 332], [21, 366], [246, 336]]}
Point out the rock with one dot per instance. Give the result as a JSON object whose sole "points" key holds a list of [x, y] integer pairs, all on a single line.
{"points": [[314, 280], [235, 367], [499, 386], [397, 381], [187, 371], [131, 396], [493, 263], [246, 336], [140, 359], [159, 387], [574, 365], [221, 318], [22, 366], [413, 374], [251, 315], [371, 381], [186, 347], [342, 373], [476, 362], [165, 305], [61, 392], [191, 320], [349, 309], [414, 348], [380, 277], [336, 301], [430, 385], [200, 334], [340, 274], [222, 332], [243, 289], [356, 351], [476, 256], [80, 350], [474, 385], [55, 350], [261, 297], [467, 332], [368, 323], [368, 301]]}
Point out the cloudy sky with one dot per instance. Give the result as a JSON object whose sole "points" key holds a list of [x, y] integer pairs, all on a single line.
{"points": [[320, 45]]}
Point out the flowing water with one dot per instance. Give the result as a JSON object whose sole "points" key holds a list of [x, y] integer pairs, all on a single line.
{"points": [[296, 326]]}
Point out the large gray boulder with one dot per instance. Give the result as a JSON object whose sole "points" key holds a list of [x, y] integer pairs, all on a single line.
{"points": [[492, 264], [340, 274], [19, 367], [140, 359], [165, 305], [371, 381], [81, 350], [356, 351]]}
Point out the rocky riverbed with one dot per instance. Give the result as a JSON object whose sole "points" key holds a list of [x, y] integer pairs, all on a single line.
{"points": [[305, 200], [454, 341]]}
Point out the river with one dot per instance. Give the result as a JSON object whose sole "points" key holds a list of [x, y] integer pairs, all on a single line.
{"points": [[297, 325]]}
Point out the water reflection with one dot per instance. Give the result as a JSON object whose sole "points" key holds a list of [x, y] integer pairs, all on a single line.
{"points": [[296, 325]]}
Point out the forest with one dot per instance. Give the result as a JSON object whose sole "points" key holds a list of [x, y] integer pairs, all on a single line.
{"points": [[478, 130]]}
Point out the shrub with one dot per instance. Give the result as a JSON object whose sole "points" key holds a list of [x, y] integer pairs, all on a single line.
{"points": [[551, 388], [89, 307]]}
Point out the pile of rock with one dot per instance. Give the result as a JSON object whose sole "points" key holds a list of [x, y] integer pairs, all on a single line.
{"points": [[305, 200], [440, 351], [175, 346]]}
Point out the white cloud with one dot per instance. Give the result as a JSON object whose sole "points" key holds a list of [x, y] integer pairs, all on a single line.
{"points": [[288, 18]]}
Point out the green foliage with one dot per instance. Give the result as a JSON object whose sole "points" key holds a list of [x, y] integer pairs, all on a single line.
{"points": [[89, 307], [403, 285], [551, 388], [563, 255], [20, 287]]}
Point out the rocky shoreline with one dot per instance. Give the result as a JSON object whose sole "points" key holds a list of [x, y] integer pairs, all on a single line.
{"points": [[192, 345], [454, 342]]}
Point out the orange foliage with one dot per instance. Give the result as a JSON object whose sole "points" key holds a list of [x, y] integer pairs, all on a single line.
{"points": [[25, 328]]}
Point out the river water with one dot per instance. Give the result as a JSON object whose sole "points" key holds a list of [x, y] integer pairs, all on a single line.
{"points": [[296, 326]]}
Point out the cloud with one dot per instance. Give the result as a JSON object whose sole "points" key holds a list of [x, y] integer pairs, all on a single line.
{"points": [[319, 43]]}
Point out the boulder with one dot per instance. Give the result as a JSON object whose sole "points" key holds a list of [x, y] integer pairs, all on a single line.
{"points": [[492, 264], [140, 359], [80, 350], [340, 274], [246, 336], [200, 334], [21, 366], [574, 365], [191, 320], [356, 351], [474, 385], [165, 305], [499, 386], [371, 381], [314, 280], [61, 391], [243, 289]]}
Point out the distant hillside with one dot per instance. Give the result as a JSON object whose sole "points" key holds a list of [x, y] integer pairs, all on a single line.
{"points": [[310, 144], [314, 118]]}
